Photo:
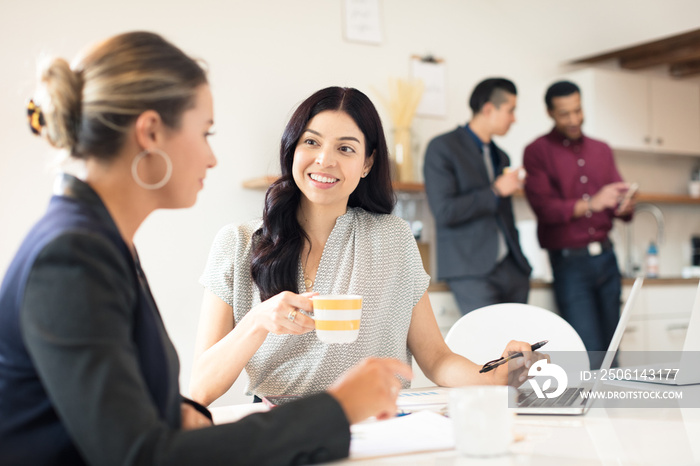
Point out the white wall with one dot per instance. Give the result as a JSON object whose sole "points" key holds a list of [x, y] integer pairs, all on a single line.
{"points": [[264, 58]]}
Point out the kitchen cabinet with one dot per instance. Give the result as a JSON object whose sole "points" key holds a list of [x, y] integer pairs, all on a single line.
{"points": [[659, 321], [675, 116], [640, 113]]}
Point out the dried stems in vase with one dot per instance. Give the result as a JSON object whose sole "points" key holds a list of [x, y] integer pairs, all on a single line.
{"points": [[404, 97]]}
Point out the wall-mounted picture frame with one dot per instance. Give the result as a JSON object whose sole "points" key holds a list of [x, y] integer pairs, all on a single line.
{"points": [[362, 22]]}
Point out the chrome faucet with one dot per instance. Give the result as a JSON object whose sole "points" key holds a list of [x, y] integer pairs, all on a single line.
{"points": [[655, 212]]}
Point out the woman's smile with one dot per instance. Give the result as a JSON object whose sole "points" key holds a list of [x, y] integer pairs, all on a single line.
{"points": [[323, 181]]}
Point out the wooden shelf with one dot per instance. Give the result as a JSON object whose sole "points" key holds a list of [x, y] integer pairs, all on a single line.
{"points": [[263, 182], [667, 198], [652, 198], [409, 187]]}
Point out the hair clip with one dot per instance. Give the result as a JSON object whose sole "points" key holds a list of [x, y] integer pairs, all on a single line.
{"points": [[35, 117]]}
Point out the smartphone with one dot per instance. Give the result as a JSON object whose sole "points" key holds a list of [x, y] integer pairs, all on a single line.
{"points": [[276, 400], [628, 195]]}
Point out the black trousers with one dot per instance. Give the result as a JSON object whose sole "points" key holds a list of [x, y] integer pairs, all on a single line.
{"points": [[506, 283]]}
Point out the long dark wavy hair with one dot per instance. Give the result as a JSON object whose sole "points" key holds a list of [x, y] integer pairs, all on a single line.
{"points": [[278, 244]]}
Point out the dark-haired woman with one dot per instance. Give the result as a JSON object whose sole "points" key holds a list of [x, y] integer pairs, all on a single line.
{"points": [[327, 228], [88, 374]]}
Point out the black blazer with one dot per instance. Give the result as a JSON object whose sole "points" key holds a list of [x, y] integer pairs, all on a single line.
{"points": [[467, 213], [89, 375]]}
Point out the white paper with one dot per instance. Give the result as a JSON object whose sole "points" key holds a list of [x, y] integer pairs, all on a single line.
{"points": [[421, 398], [434, 100], [362, 23], [418, 432]]}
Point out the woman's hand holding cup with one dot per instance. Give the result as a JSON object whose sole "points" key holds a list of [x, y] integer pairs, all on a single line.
{"points": [[282, 314]]}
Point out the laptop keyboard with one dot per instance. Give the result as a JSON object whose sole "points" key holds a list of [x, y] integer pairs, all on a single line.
{"points": [[571, 396]]}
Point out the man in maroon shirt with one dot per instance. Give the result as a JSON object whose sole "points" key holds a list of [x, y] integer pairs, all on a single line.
{"points": [[575, 190]]}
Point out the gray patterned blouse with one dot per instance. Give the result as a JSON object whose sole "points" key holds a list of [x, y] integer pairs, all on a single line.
{"points": [[372, 255]]}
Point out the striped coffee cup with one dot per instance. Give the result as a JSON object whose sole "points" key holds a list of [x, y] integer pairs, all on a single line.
{"points": [[337, 317]]}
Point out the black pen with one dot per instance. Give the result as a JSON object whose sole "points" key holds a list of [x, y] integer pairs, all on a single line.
{"points": [[491, 365]]}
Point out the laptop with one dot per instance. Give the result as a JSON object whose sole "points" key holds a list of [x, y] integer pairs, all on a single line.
{"points": [[685, 371], [573, 401]]}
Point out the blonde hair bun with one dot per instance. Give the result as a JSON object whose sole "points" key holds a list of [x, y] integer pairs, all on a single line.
{"points": [[90, 107], [59, 97]]}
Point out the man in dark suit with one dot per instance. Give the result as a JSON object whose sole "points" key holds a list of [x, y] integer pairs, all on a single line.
{"points": [[469, 190]]}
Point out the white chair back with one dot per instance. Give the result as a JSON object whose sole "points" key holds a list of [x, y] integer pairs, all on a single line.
{"points": [[483, 334]]}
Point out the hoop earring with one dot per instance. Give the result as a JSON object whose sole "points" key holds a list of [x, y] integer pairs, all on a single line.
{"points": [[168, 169]]}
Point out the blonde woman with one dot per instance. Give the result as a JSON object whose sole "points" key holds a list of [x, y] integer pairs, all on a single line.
{"points": [[88, 374]]}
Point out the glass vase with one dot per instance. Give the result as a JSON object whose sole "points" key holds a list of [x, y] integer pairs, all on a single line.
{"points": [[402, 154]]}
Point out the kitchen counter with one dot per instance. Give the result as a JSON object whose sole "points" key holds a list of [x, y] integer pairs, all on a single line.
{"points": [[663, 281], [544, 284]]}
